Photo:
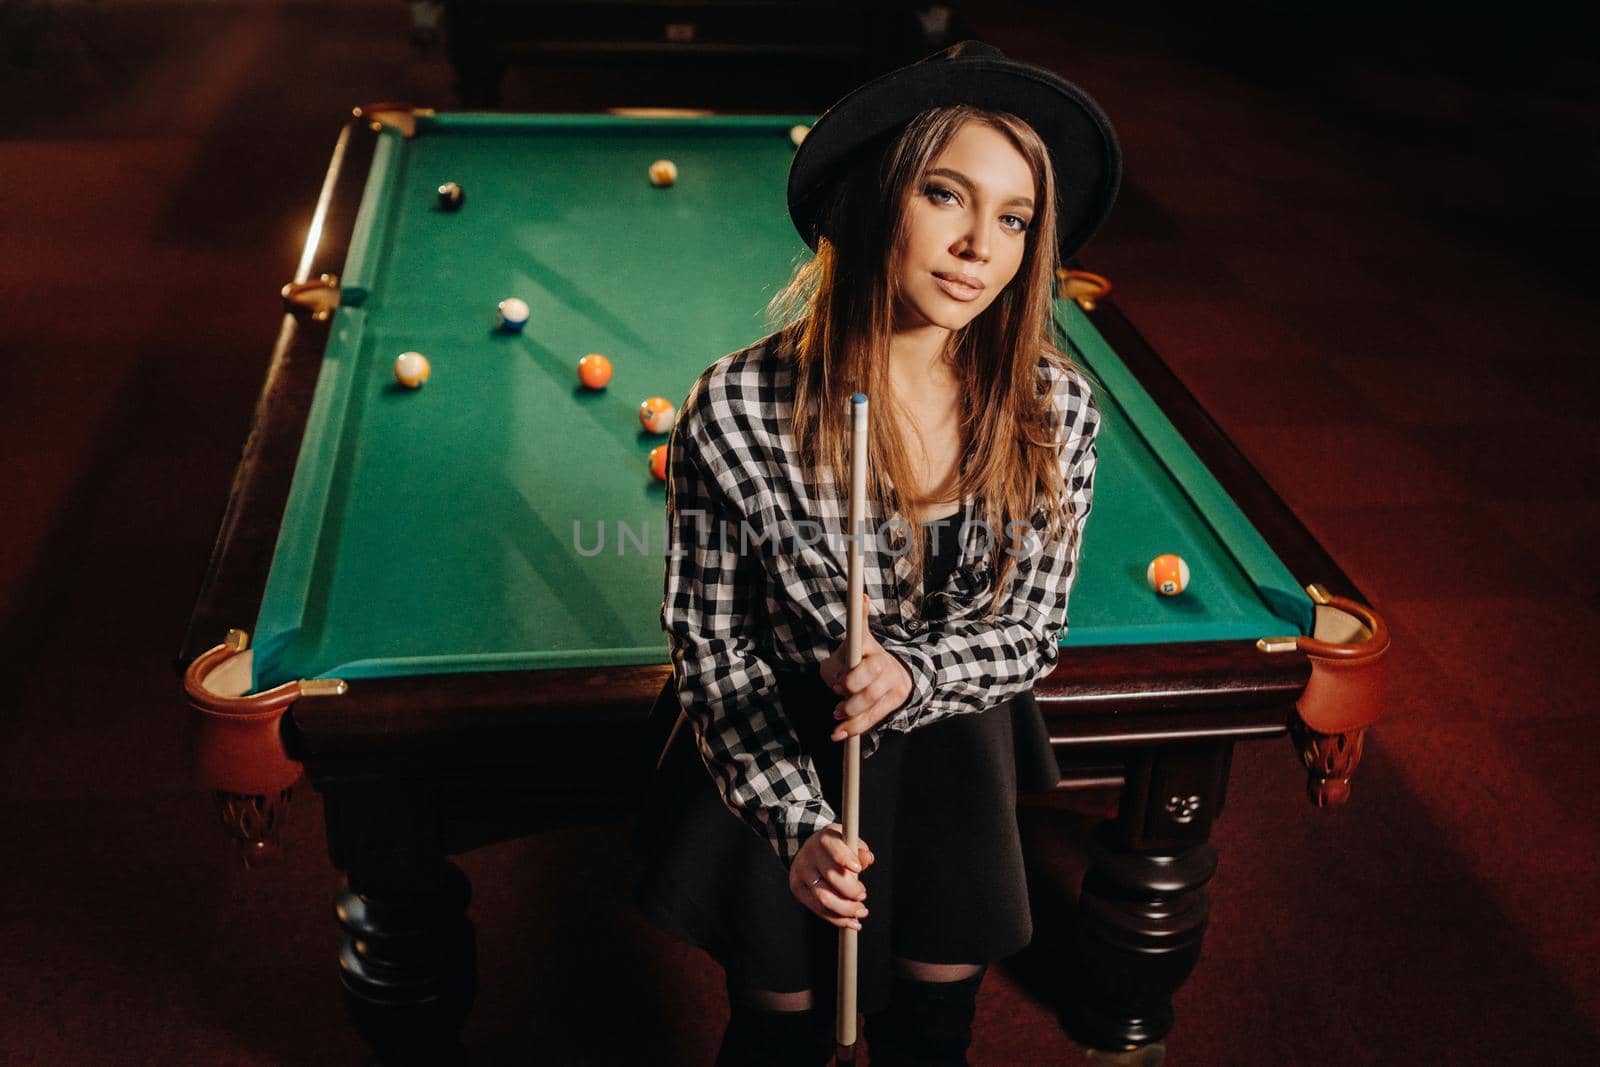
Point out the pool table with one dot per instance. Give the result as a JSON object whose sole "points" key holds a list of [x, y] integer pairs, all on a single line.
{"points": [[405, 600], [834, 44]]}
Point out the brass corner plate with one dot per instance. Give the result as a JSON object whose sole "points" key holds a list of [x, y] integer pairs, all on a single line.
{"points": [[1082, 286], [315, 298], [397, 116]]}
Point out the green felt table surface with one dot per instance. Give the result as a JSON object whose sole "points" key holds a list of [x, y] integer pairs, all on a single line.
{"points": [[432, 531]]}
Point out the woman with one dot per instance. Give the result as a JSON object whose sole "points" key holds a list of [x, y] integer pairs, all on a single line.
{"points": [[940, 199]]}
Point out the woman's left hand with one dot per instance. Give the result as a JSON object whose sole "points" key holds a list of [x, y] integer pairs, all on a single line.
{"points": [[875, 688]]}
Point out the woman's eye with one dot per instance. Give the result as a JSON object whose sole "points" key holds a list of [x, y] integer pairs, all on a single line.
{"points": [[1015, 223], [940, 195]]}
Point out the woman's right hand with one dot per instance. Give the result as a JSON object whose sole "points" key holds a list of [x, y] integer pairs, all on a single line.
{"points": [[823, 877]]}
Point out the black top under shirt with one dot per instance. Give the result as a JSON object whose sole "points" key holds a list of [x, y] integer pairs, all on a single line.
{"points": [[943, 549]]}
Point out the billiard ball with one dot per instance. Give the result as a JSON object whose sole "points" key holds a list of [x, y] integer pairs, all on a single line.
{"points": [[411, 369], [594, 370], [657, 414], [658, 462], [513, 314], [798, 134], [663, 172], [1168, 575], [451, 196]]}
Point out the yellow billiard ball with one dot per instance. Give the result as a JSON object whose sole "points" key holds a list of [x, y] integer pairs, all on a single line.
{"points": [[663, 172], [411, 369], [798, 134]]}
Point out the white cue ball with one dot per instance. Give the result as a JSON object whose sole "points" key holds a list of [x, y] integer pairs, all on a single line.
{"points": [[798, 134], [513, 313]]}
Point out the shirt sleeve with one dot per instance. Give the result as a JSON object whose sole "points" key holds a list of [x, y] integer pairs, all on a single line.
{"points": [[975, 664], [729, 692]]}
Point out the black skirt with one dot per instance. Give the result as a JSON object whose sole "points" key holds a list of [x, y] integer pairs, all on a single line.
{"points": [[938, 809]]}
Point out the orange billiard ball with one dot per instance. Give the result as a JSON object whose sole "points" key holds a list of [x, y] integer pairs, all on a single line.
{"points": [[1168, 574], [594, 370], [657, 414], [658, 462]]}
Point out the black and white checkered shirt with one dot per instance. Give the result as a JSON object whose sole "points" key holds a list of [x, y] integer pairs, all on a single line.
{"points": [[757, 578]]}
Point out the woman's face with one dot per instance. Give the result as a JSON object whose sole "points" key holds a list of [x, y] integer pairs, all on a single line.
{"points": [[966, 230]]}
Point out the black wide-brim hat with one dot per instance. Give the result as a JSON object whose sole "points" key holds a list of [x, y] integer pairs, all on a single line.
{"points": [[1083, 146]]}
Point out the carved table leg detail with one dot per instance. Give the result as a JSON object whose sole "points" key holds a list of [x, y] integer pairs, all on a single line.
{"points": [[1330, 760], [255, 823]]}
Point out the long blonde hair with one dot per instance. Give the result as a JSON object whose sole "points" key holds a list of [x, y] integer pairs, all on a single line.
{"points": [[837, 314]]}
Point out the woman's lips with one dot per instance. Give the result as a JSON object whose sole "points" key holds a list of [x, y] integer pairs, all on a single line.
{"points": [[957, 288]]}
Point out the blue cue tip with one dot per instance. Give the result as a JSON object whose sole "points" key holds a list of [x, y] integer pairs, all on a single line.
{"points": [[859, 398]]}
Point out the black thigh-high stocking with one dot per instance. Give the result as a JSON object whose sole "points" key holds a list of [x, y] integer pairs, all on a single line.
{"points": [[927, 1024], [759, 1037]]}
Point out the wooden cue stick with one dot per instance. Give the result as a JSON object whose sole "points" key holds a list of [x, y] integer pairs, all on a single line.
{"points": [[845, 1016]]}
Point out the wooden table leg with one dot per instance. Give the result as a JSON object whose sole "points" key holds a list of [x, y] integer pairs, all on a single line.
{"points": [[1142, 911], [408, 954]]}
